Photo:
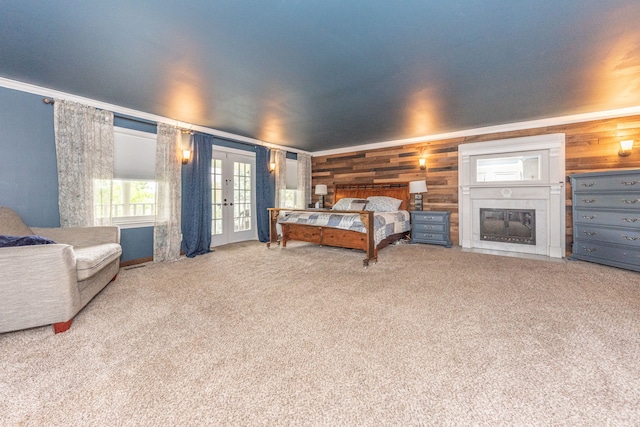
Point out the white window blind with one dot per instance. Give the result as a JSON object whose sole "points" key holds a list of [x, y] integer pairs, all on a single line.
{"points": [[292, 174], [134, 154]]}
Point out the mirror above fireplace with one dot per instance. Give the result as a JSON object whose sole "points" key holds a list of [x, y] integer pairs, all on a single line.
{"points": [[511, 168]]}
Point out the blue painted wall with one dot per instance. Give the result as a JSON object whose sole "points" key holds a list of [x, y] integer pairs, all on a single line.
{"points": [[28, 171]]}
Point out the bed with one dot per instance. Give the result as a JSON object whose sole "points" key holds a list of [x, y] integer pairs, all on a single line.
{"points": [[362, 229]]}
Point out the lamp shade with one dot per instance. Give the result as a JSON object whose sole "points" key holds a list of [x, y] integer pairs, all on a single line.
{"points": [[321, 189], [418, 187]]}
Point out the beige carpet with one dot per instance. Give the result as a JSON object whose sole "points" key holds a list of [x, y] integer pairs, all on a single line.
{"points": [[304, 336]]}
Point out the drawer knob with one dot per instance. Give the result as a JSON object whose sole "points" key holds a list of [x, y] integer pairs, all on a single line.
{"points": [[630, 202], [590, 184], [630, 219], [631, 238], [588, 216], [590, 233], [629, 182], [588, 200]]}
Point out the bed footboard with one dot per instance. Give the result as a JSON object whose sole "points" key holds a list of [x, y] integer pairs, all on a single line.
{"points": [[327, 236]]}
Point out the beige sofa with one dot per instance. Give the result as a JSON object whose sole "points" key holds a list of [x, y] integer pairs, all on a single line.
{"points": [[50, 283]]}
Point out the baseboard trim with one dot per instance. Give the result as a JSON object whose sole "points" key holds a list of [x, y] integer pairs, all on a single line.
{"points": [[136, 261]]}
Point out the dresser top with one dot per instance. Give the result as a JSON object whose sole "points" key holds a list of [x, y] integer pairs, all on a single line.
{"points": [[612, 172]]}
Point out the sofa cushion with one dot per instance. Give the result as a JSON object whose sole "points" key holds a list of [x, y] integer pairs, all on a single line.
{"points": [[91, 259], [12, 241], [11, 224]]}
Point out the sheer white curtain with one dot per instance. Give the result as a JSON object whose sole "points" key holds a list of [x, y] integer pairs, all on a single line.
{"points": [[281, 177], [304, 180], [84, 152], [167, 234]]}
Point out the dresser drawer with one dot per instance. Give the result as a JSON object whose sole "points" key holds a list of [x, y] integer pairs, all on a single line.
{"points": [[622, 219], [610, 201], [429, 217], [619, 236], [429, 227], [611, 255], [621, 182]]}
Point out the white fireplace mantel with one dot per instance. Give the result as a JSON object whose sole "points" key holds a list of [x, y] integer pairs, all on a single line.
{"points": [[546, 195]]}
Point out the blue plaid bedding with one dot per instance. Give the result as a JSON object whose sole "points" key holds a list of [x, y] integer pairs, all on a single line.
{"points": [[384, 223]]}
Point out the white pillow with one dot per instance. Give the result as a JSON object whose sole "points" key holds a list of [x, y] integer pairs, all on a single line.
{"points": [[383, 204]]}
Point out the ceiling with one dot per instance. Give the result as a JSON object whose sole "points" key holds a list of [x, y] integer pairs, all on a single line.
{"points": [[319, 75]]}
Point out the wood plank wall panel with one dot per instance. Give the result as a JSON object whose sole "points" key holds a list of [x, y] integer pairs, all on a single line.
{"points": [[590, 146]]}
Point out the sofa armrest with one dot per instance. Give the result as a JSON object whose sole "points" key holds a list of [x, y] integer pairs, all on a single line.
{"points": [[38, 286], [81, 236]]}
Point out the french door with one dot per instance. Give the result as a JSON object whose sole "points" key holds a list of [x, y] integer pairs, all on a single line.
{"points": [[233, 196]]}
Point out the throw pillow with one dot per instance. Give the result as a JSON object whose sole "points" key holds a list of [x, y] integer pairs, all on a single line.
{"points": [[343, 204], [11, 224], [383, 204]]}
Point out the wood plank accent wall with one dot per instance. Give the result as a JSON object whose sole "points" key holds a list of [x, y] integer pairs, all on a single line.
{"points": [[590, 146]]}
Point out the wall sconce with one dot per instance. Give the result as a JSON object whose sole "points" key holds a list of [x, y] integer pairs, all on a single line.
{"points": [[625, 148], [423, 163], [186, 155], [321, 190], [272, 161], [417, 188]]}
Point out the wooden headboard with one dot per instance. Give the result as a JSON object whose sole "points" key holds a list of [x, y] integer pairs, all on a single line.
{"points": [[397, 190]]}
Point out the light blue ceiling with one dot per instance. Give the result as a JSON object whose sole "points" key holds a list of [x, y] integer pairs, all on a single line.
{"points": [[317, 75]]}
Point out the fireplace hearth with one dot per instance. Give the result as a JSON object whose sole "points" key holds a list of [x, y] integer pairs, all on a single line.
{"points": [[508, 225]]}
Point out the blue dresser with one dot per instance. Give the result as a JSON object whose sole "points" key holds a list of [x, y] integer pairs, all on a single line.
{"points": [[430, 227], [606, 218]]}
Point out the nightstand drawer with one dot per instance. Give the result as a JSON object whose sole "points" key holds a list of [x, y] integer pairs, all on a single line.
{"points": [[429, 217], [427, 227], [424, 237]]}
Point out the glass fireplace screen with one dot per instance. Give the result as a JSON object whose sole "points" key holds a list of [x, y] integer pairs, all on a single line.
{"points": [[508, 225]]}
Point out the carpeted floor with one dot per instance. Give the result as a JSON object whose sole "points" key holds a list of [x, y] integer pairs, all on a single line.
{"points": [[304, 336]]}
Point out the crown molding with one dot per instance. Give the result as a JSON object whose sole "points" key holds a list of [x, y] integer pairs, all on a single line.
{"points": [[509, 127], [52, 93]]}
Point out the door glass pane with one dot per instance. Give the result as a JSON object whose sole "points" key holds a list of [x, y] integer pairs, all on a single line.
{"points": [[216, 196], [241, 196]]}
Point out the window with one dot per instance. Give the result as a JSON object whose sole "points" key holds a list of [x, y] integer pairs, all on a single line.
{"points": [[133, 189], [292, 197]]}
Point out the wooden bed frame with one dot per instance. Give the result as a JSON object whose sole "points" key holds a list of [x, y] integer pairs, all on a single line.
{"points": [[330, 236]]}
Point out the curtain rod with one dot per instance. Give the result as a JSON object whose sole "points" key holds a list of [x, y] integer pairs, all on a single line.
{"points": [[51, 101]]}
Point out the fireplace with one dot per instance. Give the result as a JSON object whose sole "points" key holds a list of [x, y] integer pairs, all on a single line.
{"points": [[511, 196], [508, 225]]}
